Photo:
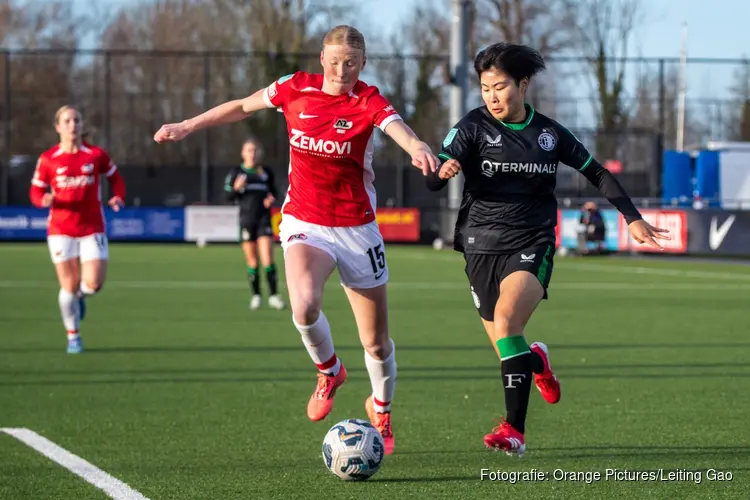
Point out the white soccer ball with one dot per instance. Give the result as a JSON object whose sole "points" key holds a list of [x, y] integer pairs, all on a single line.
{"points": [[438, 243], [353, 450]]}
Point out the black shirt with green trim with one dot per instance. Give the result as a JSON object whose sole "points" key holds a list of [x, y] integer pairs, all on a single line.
{"points": [[509, 171], [259, 184]]}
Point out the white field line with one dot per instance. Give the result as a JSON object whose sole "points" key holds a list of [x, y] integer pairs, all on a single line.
{"points": [[408, 285], [113, 487]]}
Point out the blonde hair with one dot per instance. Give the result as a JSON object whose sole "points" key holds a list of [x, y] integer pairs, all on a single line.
{"points": [[63, 109], [345, 35]]}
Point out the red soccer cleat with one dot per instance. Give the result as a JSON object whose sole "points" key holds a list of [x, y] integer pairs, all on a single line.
{"points": [[321, 401], [505, 438], [382, 422], [546, 381]]}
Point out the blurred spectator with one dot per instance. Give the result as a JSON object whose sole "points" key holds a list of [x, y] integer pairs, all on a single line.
{"points": [[592, 230]]}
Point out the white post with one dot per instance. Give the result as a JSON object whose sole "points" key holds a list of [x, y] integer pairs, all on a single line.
{"points": [[680, 143]]}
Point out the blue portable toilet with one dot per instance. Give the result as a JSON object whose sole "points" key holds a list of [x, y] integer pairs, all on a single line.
{"points": [[677, 179], [707, 185]]}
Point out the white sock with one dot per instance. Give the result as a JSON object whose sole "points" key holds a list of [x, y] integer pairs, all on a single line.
{"points": [[86, 291], [319, 344], [69, 311], [383, 379]]}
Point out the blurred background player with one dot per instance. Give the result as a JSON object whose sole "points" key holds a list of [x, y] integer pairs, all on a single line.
{"points": [[592, 230], [509, 154], [252, 187], [66, 181], [328, 219]]}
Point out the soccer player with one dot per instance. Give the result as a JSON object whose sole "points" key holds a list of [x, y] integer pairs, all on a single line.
{"points": [[509, 155], [328, 216], [252, 187], [66, 181]]}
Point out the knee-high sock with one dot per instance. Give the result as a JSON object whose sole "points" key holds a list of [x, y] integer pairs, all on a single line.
{"points": [[319, 344], [383, 379], [69, 311]]}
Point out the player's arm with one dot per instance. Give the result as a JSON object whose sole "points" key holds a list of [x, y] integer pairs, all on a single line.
{"points": [[116, 183], [39, 191], [457, 148], [230, 112], [574, 154], [229, 192]]}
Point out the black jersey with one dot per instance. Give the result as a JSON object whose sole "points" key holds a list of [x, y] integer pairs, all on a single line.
{"points": [[509, 170], [258, 185]]}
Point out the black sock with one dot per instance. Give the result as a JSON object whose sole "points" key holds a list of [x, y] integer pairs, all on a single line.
{"points": [[272, 278], [252, 278], [515, 362]]}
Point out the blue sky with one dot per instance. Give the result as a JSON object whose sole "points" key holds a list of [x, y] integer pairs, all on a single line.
{"points": [[716, 29]]}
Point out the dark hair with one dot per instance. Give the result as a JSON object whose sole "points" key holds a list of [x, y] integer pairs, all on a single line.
{"points": [[518, 61]]}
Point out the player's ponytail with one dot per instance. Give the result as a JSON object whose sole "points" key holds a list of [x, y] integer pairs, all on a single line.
{"points": [[345, 35]]}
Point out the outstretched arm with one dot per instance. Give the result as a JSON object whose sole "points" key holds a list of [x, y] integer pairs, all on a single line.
{"points": [[421, 154], [229, 112]]}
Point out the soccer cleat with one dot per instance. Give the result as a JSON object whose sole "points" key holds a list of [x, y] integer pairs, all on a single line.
{"points": [[81, 306], [276, 302], [382, 422], [321, 401], [505, 438], [256, 302], [75, 345], [546, 381]]}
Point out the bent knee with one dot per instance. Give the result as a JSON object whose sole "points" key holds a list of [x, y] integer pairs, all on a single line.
{"points": [[306, 307], [506, 323]]}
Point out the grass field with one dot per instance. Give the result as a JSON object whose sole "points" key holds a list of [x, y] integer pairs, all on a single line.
{"points": [[183, 393]]}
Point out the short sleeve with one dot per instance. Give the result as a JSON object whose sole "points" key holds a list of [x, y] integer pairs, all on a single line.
{"points": [[41, 174], [570, 150], [277, 94], [106, 165], [459, 144], [382, 112]]}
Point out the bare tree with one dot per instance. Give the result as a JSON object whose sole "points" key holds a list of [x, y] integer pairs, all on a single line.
{"points": [[604, 31], [738, 121]]}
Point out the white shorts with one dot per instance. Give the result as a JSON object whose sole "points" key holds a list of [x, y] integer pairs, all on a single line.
{"points": [[358, 251], [91, 247]]}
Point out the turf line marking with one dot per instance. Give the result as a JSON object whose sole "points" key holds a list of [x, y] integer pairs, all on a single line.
{"points": [[426, 285], [656, 271], [113, 487]]}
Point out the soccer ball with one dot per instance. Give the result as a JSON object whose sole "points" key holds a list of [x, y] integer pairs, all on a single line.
{"points": [[353, 450]]}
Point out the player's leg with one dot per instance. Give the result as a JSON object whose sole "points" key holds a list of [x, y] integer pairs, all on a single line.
{"points": [[364, 274], [94, 251], [265, 248], [250, 251], [308, 264], [524, 279], [64, 253]]}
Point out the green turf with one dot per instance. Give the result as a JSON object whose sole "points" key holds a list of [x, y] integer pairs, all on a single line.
{"points": [[184, 394]]}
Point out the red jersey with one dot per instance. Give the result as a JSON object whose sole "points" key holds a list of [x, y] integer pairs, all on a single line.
{"points": [[331, 148], [73, 178]]}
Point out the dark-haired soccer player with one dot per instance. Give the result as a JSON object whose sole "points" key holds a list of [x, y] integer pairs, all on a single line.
{"points": [[509, 154], [252, 187]]}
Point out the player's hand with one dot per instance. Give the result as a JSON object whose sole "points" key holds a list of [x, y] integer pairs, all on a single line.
{"points": [[116, 203], [172, 132], [47, 200], [450, 169], [424, 159], [239, 183], [269, 201], [645, 233]]}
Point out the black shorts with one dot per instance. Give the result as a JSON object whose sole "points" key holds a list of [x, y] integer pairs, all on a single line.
{"points": [[252, 229], [487, 271]]}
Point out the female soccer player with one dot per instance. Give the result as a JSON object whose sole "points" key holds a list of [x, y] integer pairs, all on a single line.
{"points": [[252, 187], [67, 182], [328, 216], [509, 154]]}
